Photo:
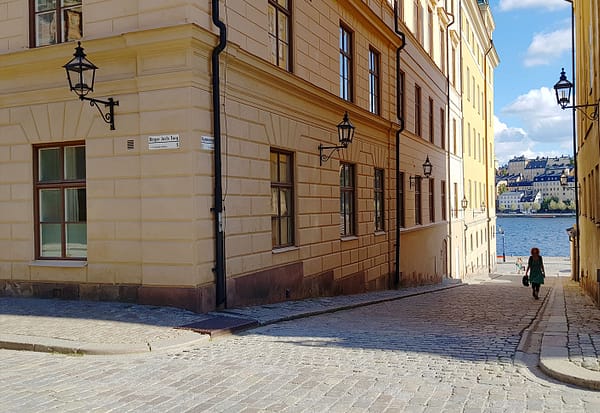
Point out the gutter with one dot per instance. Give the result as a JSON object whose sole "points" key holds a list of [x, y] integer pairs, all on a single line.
{"points": [[219, 268], [398, 133], [450, 250]]}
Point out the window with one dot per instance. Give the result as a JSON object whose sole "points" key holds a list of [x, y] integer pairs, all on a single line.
{"points": [[60, 201], [345, 63], [443, 127], [55, 21], [374, 81], [453, 66], [418, 201], [417, 24], [279, 33], [455, 200], [431, 200], [378, 199], [431, 122], [401, 209], [443, 199], [401, 99], [282, 199], [443, 50], [430, 30], [347, 189], [454, 140], [417, 110]]}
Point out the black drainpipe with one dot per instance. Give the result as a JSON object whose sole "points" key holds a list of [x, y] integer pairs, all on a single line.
{"points": [[398, 132], [219, 269]]}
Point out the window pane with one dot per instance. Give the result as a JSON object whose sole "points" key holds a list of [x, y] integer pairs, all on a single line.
{"points": [[49, 164], [76, 240], [275, 201], [75, 205], [75, 162], [283, 29], [44, 5], [285, 168], [275, 231], [285, 200], [285, 231], [50, 207], [50, 240], [272, 26], [72, 24], [69, 3], [45, 28]]}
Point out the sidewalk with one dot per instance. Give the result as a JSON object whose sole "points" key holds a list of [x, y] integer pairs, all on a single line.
{"points": [[567, 323]]}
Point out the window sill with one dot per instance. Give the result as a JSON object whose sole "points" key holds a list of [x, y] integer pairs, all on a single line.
{"points": [[379, 233], [284, 249], [58, 263], [349, 238]]}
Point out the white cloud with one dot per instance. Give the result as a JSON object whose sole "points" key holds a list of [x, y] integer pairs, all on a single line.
{"points": [[544, 129], [540, 116], [507, 5], [546, 47]]}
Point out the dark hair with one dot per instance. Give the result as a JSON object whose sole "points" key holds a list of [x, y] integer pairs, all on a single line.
{"points": [[535, 251]]}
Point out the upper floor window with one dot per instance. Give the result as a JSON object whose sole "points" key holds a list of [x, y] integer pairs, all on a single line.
{"points": [[374, 84], [279, 33], [443, 127], [417, 110], [346, 63], [282, 199], [347, 191], [401, 99], [60, 201], [431, 121], [55, 21]]}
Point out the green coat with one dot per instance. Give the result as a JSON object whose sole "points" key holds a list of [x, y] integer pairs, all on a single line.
{"points": [[536, 274]]}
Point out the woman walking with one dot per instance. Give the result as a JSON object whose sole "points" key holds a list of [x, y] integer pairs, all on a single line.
{"points": [[537, 274]]}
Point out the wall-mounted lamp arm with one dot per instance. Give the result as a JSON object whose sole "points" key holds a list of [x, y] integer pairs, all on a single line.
{"points": [[324, 157], [109, 117], [592, 117]]}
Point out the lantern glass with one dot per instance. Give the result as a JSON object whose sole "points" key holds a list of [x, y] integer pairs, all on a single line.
{"points": [[563, 90], [427, 167], [345, 131], [81, 73], [563, 179], [464, 203]]}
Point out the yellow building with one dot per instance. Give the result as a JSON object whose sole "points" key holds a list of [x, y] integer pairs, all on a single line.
{"points": [[479, 59], [587, 80], [189, 206]]}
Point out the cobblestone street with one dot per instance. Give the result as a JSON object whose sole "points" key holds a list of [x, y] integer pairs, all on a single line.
{"points": [[453, 351]]}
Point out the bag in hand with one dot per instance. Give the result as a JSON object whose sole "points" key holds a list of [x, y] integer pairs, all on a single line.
{"points": [[525, 281]]}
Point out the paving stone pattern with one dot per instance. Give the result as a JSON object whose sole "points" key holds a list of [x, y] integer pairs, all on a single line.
{"points": [[584, 327], [448, 351]]}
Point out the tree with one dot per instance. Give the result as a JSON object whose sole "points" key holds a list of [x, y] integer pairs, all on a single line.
{"points": [[502, 188], [536, 206]]}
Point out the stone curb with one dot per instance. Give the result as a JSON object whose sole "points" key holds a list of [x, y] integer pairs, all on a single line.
{"points": [[554, 353]]}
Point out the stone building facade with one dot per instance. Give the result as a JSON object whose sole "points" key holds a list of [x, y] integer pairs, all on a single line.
{"points": [[133, 213]]}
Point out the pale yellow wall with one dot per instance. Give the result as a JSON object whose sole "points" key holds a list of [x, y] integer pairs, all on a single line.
{"points": [[587, 29], [149, 219]]}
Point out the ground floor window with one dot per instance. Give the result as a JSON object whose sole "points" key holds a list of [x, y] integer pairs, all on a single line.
{"points": [[282, 199], [60, 201]]}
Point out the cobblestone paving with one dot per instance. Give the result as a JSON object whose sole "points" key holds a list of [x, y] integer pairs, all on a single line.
{"points": [[584, 327], [449, 351], [46, 319]]}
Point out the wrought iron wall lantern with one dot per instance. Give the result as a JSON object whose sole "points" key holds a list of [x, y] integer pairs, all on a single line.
{"points": [[564, 179], [464, 203], [563, 89], [345, 136], [482, 206], [427, 168], [81, 74]]}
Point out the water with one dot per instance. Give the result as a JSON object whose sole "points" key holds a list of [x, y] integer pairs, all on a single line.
{"points": [[521, 234]]}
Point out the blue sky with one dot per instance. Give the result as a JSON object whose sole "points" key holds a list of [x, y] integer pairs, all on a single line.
{"points": [[533, 40]]}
